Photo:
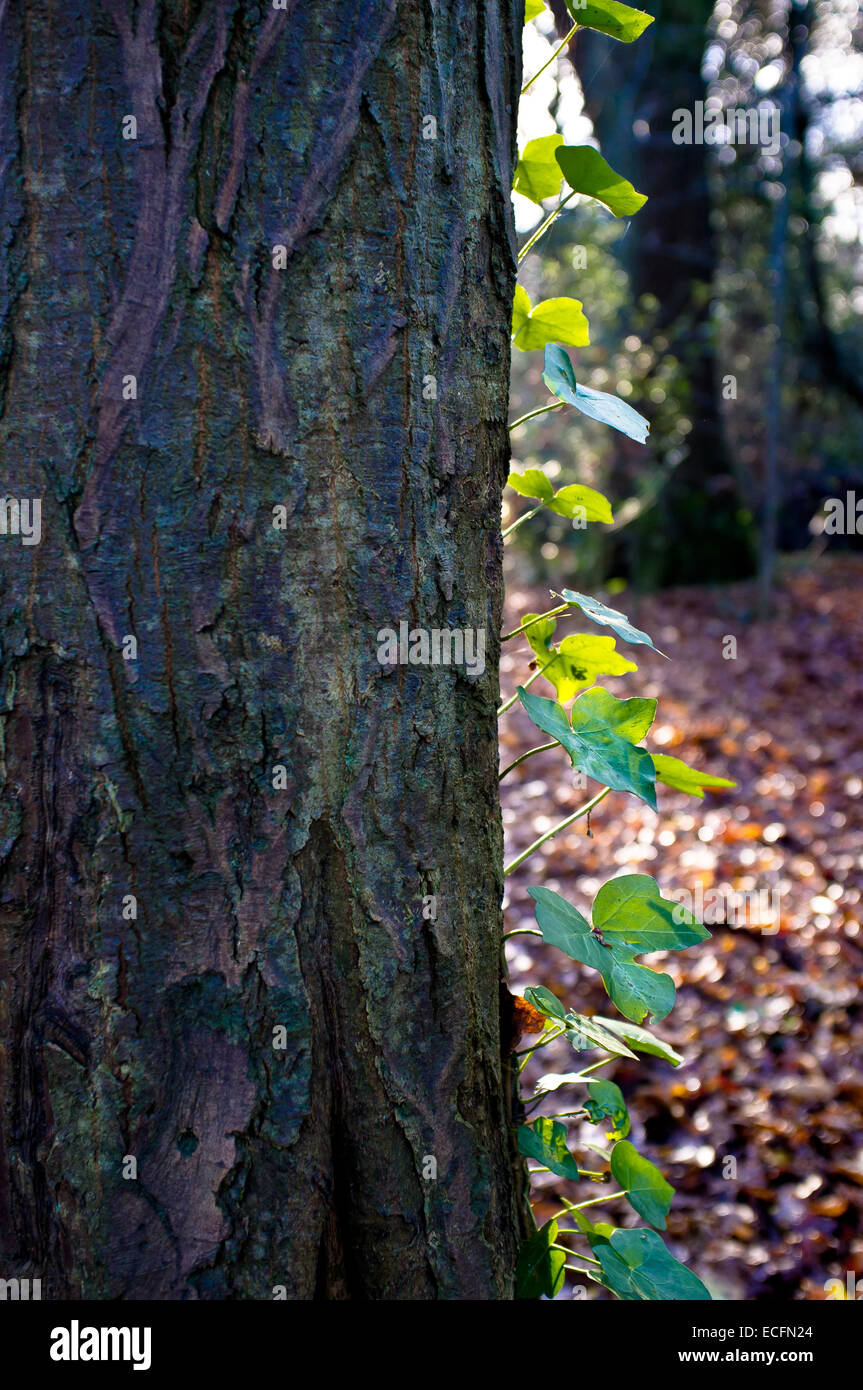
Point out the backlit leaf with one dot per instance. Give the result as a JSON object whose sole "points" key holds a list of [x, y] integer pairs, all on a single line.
{"points": [[552, 321], [641, 1039], [578, 660], [672, 772], [610, 17], [587, 172], [538, 174]]}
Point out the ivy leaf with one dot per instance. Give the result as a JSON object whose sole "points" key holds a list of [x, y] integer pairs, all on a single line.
{"points": [[532, 8], [545, 1001], [608, 617], [531, 483], [635, 990], [641, 1039], [520, 309], [587, 172], [586, 502], [538, 174], [600, 739], [559, 377], [583, 1034], [630, 916], [677, 774], [577, 662], [646, 1189], [611, 18], [637, 1265], [540, 1268], [606, 1103], [630, 719], [545, 1140], [632, 911], [552, 321], [575, 499]]}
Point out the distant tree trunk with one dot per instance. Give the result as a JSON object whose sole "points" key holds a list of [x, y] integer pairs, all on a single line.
{"points": [[220, 813], [697, 530]]}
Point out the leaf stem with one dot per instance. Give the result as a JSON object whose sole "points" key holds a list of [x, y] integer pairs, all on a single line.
{"points": [[543, 227], [525, 516], [594, 1201], [562, 825], [549, 1038], [508, 704], [540, 749], [552, 613], [558, 50], [531, 414]]}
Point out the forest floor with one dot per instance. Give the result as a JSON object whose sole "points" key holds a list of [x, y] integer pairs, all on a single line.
{"points": [[768, 1014]]}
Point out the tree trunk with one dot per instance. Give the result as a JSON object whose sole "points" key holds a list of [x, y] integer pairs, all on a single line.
{"points": [[226, 827]]}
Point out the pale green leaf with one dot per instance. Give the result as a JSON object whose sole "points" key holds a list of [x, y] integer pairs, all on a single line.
{"points": [[531, 483], [641, 1039], [672, 772], [578, 660], [586, 172], [609, 17], [552, 321], [537, 174]]}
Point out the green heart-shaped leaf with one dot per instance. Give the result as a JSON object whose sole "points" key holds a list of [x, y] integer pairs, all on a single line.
{"points": [[609, 17], [552, 321], [637, 1265], [635, 990], [586, 172], [646, 1189], [631, 910], [538, 174]]}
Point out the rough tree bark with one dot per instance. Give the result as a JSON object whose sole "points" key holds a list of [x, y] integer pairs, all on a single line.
{"points": [[151, 775]]}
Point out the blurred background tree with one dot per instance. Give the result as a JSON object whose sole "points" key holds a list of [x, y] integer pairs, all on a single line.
{"points": [[727, 310]]}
